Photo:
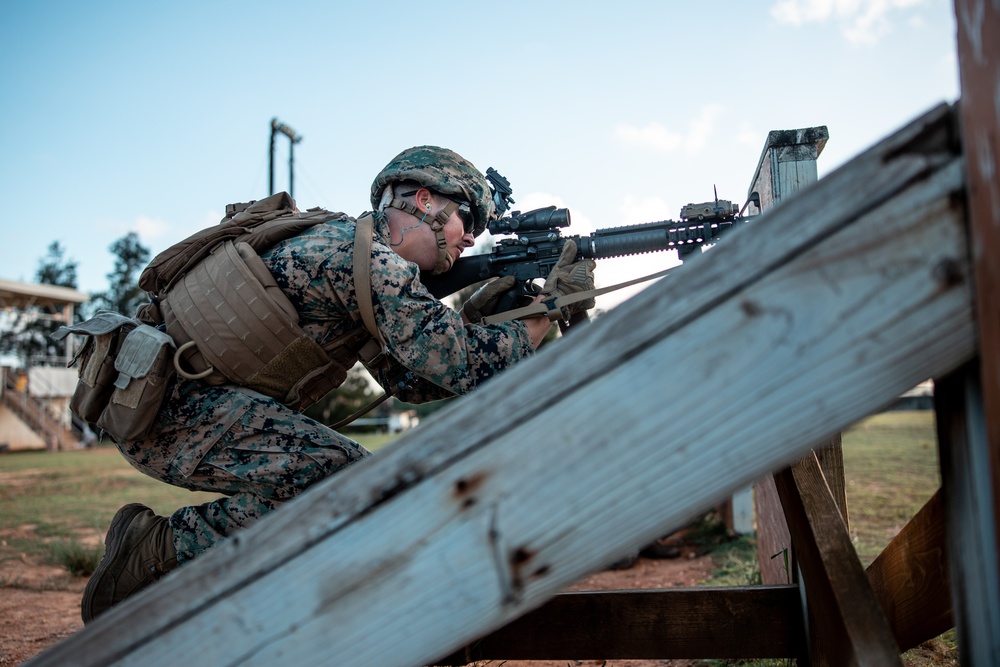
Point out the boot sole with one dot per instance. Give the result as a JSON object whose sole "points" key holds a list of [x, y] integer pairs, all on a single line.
{"points": [[112, 547]]}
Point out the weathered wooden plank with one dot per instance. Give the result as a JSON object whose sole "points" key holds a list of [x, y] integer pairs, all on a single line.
{"points": [[910, 578], [969, 515], [979, 66], [826, 309], [681, 623], [846, 624]]}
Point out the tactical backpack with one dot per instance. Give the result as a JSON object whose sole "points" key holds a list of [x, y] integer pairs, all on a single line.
{"points": [[217, 315], [226, 314]]}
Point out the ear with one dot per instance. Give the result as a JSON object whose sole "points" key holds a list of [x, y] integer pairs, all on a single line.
{"points": [[423, 199]]}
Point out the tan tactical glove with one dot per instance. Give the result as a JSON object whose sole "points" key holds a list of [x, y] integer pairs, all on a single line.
{"points": [[570, 277], [484, 300]]}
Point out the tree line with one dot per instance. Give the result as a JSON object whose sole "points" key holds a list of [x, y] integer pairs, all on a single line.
{"points": [[25, 335]]}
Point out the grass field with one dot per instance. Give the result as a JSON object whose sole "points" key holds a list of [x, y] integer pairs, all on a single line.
{"points": [[891, 470], [48, 501]]}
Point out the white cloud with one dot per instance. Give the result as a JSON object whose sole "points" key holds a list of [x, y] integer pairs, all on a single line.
{"points": [[208, 219], [701, 128], [659, 138], [746, 135], [860, 21], [156, 233], [150, 228], [652, 135], [144, 226], [635, 210]]}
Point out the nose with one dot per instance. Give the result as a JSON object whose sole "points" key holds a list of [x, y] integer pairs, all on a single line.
{"points": [[468, 239]]}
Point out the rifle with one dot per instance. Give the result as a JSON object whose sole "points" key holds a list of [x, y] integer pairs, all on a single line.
{"points": [[535, 242]]}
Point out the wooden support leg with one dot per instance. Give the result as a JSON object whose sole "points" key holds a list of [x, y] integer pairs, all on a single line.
{"points": [[846, 624], [775, 556], [969, 515], [910, 578]]}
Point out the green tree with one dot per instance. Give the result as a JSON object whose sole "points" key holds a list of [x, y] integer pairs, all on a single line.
{"points": [[124, 295], [26, 336], [55, 269]]}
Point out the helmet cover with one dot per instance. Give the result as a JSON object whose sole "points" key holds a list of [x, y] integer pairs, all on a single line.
{"points": [[443, 171]]}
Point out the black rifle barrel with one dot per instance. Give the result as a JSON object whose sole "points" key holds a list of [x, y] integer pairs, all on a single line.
{"points": [[541, 253], [648, 237]]}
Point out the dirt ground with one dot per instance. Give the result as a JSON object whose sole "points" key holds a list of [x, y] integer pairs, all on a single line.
{"points": [[40, 604]]}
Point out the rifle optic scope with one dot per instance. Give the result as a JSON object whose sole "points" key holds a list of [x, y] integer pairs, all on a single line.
{"points": [[540, 219]]}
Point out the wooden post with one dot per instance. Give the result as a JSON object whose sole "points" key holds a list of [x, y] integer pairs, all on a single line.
{"points": [[521, 489], [788, 164], [969, 401], [969, 515]]}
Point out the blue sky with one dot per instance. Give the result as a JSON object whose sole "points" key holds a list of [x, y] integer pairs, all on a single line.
{"points": [[151, 117]]}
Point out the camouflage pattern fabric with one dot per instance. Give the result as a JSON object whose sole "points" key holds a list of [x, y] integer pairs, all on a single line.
{"points": [[258, 452]]}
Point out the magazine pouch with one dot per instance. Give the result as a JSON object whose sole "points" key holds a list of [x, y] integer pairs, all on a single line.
{"points": [[96, 360], [144, 366]]}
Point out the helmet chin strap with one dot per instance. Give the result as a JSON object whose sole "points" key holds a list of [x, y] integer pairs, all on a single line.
{"points": [[437, 224]]}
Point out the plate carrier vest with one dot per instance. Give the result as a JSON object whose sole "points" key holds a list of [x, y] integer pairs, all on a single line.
{"points": [[231, 322]]}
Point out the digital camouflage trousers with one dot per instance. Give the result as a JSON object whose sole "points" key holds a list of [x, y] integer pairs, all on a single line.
{"points": [[248, 447]]}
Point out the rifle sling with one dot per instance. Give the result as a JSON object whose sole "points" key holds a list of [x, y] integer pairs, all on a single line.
{"points": [[552, 308]]}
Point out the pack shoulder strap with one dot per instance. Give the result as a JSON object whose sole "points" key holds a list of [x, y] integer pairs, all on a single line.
{"points": [[363, 275], [373, 353]]}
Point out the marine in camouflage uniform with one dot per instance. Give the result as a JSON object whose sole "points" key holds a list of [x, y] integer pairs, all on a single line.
{"points": [[236, 441], [258, 452]]}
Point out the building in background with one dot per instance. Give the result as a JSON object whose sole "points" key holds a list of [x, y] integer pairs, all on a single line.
{"points": [[34, 396]]}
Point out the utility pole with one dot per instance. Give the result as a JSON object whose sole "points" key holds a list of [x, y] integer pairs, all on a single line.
{"points": [[293, 139]]}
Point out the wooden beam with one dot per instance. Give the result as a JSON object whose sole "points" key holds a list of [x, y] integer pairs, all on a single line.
{"points": [[979, 67], [797, 326], [969, 515], [846, 624], [679, 623], [910, 578], [970, 406]]}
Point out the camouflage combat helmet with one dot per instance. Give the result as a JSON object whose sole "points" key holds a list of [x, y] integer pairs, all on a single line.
{"points": [[445, 172]]}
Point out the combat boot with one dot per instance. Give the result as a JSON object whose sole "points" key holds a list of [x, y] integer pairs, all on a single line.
{"points": [[138, 550]]}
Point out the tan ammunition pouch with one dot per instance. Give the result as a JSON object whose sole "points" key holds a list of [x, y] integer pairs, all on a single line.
{"points": [[125, 370]]}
